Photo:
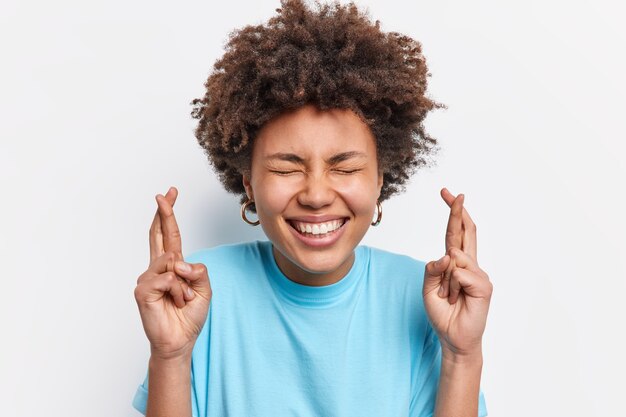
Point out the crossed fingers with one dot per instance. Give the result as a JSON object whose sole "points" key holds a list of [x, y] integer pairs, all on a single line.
{"points": [[164, 231], [460, 234]]}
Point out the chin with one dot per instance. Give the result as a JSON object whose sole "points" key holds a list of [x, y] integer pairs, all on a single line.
{"points": [[320, 263]]}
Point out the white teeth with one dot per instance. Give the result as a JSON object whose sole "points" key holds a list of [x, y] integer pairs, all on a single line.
{"points": [[318, 228]]}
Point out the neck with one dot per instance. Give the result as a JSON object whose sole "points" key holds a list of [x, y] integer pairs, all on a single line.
{"points": [[312, 279]]}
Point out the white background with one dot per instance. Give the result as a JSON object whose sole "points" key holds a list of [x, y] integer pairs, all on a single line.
{"points": [[94, 109]]}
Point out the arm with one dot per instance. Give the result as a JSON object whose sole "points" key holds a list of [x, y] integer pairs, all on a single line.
{"points": [[173, 297], [459, 385], [169, 393], [457, 293]]}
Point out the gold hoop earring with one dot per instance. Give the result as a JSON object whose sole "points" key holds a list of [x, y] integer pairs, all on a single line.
{"points": [[380, 214], [244, 207]]}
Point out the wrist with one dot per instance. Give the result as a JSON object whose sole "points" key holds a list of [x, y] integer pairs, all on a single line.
{"points": [[181, 357], [173, 364], [471, 358]]}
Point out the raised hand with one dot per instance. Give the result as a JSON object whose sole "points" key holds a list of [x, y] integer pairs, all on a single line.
{"points": [[173, 302], [456, 291]]}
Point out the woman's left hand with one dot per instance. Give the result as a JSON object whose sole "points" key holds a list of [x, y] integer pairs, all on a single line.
{"points": [[456, 291]]}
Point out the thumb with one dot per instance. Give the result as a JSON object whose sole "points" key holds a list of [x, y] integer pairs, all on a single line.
{"points": [[433, 272], [197, 276]]}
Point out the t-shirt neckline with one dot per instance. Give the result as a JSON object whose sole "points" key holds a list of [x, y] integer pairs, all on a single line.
{"points": [[313, 296]]}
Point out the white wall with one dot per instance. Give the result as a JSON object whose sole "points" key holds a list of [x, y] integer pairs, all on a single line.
{"points": [[94, 108]]}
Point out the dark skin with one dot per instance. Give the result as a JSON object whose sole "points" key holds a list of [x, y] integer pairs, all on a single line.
{"points": [[461, 254], [456, 297], [456, 291], [171, 314]]}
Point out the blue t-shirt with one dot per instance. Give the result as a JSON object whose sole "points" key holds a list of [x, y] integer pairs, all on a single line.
{"points": [[362, 346]]}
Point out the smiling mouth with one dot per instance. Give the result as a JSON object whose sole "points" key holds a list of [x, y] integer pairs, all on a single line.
{"points": [[317, 230]]}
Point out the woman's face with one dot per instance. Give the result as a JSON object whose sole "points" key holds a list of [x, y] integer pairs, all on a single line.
{"points": [[315, 181]]}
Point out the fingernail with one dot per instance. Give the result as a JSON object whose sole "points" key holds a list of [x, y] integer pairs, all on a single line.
{"points": [[183, 266], [438, 263], [441, 291], [190, 292]]}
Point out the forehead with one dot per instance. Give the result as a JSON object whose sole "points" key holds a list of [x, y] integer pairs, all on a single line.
{"points": [[308, 130]]}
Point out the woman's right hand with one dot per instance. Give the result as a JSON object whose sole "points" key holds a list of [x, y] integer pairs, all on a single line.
{"points": [[173, 303]]}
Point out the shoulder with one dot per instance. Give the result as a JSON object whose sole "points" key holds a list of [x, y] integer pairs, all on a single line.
{"points": [[394, 270], [232, 266], [226, 254], [397, 262], [232, 260]]}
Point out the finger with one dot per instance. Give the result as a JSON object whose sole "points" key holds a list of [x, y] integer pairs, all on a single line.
{"points": [[163, 263], [432, 274], [196, 275], [169, 226], [472, 284], [469, 236], [447, 276], [167, 283], [447, 196], [454, 231], [463, 260], [455, 287], [156, 231], [469, 227], [188, 293]]}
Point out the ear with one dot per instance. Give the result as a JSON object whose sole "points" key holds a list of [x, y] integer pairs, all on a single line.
{"points": [[380, 182], [248, 186]]}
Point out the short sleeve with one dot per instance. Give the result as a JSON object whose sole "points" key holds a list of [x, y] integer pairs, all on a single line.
{"points": [[140, 401], [427, 380]]}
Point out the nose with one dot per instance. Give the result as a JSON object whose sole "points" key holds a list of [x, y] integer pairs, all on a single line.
{"points": [[316, 193]]}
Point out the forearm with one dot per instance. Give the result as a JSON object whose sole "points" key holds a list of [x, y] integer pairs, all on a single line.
{"points": [[169, 387], [459, 385]]}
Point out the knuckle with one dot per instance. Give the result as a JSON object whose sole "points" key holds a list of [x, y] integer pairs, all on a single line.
{"points": [[138, 292], [169, 277], [201, 268], [169, 257]]}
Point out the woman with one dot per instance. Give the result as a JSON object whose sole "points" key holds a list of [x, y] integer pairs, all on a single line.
{"points": [[314, 119]]}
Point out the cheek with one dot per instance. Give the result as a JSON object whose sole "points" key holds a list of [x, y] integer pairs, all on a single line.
{"points": [[272, 196], [359, 194]]}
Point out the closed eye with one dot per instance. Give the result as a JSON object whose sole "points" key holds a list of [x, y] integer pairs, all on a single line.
{"points": [[283, 172], [347, 171]]}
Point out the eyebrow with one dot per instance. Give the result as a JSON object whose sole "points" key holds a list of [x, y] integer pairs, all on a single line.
{"points": [[333, 160]]}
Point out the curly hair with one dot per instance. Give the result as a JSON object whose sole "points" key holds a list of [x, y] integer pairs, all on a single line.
{"points": [[333, 57]]}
